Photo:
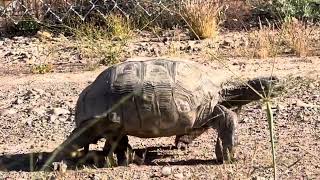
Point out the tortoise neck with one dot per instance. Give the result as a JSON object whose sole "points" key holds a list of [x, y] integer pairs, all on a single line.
{"points": [[205, 114], [236, 96]]}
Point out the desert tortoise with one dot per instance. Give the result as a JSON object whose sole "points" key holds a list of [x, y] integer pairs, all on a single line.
{"points": [[153, 98]]}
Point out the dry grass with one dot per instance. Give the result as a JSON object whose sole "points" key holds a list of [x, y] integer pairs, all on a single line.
{"points": [[264, 42], [94, 44], [202, 17], [44, 55], [118, 26], [296, 34]]}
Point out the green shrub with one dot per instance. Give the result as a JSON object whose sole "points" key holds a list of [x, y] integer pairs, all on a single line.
{"points": [[301, 9]]}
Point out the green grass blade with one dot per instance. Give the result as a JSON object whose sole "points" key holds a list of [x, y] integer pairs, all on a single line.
{"points": [[271, 127]]}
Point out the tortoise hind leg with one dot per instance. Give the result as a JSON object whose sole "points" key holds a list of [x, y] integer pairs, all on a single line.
{"points": [[182, 141], [226, 124]]}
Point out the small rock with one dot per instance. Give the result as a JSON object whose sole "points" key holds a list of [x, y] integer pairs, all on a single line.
{"points": [[39, 91], [178, 175], [94, 177], [53, 118], [60, 166], [40, 111], [244, 120], [312, 86], [258, 178], [300, 103], [8, 112], [280, 107], [44, 35], [28, 122], [59, 111], [166, 171], [18, 101]]}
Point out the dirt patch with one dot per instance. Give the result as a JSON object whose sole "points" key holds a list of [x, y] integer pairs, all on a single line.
{"points": [[37, 113]]}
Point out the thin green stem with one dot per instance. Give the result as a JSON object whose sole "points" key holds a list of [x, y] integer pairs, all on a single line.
{"points": [[271, 127]]}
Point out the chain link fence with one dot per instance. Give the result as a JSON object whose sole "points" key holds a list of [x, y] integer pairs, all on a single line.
{"points": [[52, 12]]}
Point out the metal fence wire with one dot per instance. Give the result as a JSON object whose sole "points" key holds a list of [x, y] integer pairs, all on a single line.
{"points": [[57, 11]]}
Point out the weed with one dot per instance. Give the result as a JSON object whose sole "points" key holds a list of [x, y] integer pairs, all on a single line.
{"points": [[44, 56], [296, 35], [42, 68], [94, 44], [118, 26], [202, 17], [112, 55], [173, 50], [302, 9], [100, 52], [264, 42]]}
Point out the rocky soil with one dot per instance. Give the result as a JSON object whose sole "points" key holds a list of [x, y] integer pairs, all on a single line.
{"points": [[37, 112]]}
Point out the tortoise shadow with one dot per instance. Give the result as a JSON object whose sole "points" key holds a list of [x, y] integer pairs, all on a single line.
{"points": [[28, 162]]}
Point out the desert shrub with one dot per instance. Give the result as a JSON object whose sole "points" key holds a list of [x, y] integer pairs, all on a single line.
{"points": [[301, 9], [202, 17], [297, 36], [118, 26], [265, 42]]}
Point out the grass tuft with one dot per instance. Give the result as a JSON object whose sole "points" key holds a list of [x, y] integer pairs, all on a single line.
{"points": [[296, 34], [202, 17], [95, 45], [42, 68], [265, 42]]}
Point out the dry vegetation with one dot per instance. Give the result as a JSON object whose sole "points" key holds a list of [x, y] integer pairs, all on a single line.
{"points": [[202, 17], [297, 36]]}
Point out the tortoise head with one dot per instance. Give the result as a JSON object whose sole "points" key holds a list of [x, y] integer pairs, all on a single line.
{"points": [[265, 86], [252, 90]]}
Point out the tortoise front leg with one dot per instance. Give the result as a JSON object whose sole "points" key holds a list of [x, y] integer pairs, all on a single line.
{"points": [[182, 141], [121, 147], [79, 138], [226, 125]]}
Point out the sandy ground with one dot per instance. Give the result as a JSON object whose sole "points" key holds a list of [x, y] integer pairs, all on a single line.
{"points": [[37, 113]]}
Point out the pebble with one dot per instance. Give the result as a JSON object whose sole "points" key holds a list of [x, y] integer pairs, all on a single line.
{"points": [[300, 103], [178, 176], [60, 166], [40, 111], [258, 178], [18, 101], [311, 86], [59, 111], [94, 177], [8, 112], [53, 118], [166, 171]]}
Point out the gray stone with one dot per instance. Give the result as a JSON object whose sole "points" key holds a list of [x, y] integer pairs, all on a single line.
{"points": [[178, 176], [9, 111], [59, 111], [166, 171]]}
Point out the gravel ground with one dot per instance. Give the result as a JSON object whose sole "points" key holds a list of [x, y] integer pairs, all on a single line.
{"points": [[36, 113]]}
